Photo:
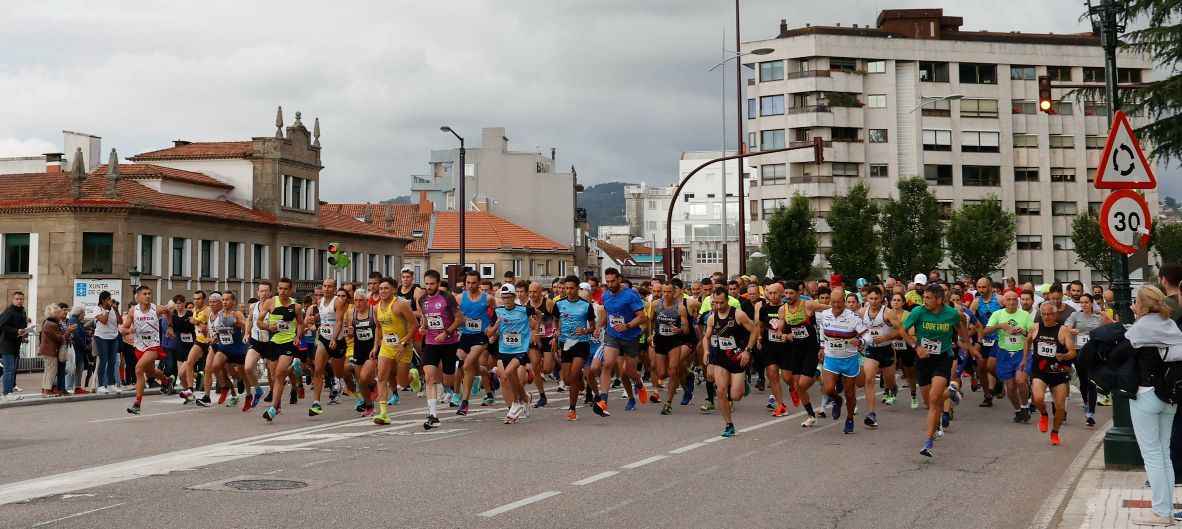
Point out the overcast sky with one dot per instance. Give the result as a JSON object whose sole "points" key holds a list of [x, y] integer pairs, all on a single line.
{"points": [[619, 87]]}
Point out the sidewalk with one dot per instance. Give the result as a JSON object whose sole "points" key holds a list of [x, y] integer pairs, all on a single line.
{"points": [[30, 384], [1096, 497]]}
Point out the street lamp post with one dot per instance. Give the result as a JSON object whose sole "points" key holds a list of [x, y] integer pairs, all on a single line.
{"points": [[949, 97], [463, 198]]}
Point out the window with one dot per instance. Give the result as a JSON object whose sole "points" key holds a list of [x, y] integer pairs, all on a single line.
{"points": [[1062, 108], [972, 73], [1025, 140], [846, 134], [180, 257], [234, 260], [1021, 106], [800, 135], [770, 205], [1059, 73], [978, 108], [876, 101], [940, 175], [1030, 242], [771, 71], [750, 109], [1022, 73], [299, 193], [97, 253], [147, 263], [487, 271], [1095, 108], [933, 72], [258, 261], [652, 224], [1093, 74], [879, 170], [754, 210], [294, 263], [1066, 276], [1025, 174], [208, 257], [771, 139], [1063, 242], [356, 265], [771, 105], [937, 140], [389, 263], [773, 173], [979, 141], [16, 253], [845, 169], [1061, 141], [1062, 174], [1029, 275], [936, 107], [1128, 75], [1063, 209], [842, 64], [878, 135], [945, 214], [1094, 142], [980, 175], [875, 66], [708, 257], [1091, 174], [1028, 207]]}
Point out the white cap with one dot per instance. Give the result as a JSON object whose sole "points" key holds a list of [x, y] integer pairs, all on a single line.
{"points": [[585, 286], [508, 289], [921, 279], [215, 297]]}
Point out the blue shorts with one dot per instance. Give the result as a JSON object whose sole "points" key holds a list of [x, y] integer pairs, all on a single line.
{"points": [[1007, 364], [846, 367], [597, 351], [506, 358]]}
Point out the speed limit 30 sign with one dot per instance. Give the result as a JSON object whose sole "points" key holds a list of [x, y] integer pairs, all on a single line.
{"points": [[1124, 221]]}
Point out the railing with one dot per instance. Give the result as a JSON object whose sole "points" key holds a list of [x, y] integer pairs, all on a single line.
{"points": [[810, 180], [807, 73], [810, 108], [809, 144], [419, 179]]}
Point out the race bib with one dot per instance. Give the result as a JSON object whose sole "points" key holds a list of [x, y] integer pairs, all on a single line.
{"points": [[187, 337], [283, 326], [326, 330], [713, 341], [145, 337], [615, 319], [1047, 350], [933, 346], [512, 338], [837, 345], [727, 343], [875, 333], [225, 338], [800, 333], [1081, 340], [665, 329], [472, 325], [899, 345], [200, 334], [390, 340], [1013, 340], [435, 322], [774, 337], [364, 334], [989, 342]]}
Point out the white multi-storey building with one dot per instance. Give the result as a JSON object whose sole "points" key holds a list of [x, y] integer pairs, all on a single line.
{"points": [[917, 95]]}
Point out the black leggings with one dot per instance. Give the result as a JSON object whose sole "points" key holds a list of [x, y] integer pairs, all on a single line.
{"points": [[1087, 389]]}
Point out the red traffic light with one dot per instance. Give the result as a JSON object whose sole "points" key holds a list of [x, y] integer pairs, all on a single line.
{"points": [[1044, 94], [332, 247]]}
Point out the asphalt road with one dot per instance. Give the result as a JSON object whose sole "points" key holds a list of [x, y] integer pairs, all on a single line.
{"points": [[90, 464]]}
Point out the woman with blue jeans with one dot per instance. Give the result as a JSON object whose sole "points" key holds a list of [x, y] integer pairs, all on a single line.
{"points": [[106, 341], [1156, 339]]}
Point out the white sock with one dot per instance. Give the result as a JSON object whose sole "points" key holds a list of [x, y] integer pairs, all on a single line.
{"points": [[431, 406]]}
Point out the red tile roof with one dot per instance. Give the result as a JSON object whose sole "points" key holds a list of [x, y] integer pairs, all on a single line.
{"points": [[485, 231], [617, 254], [148, 171], [200, 151], [407, 220]]}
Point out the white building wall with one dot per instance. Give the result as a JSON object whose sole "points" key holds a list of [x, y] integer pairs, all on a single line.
{"points": [[236, 172]]}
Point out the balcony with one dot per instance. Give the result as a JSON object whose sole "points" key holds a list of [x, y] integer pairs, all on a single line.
{"points": [[835, 151], [825, 116], [430, 183], [823, 81]]}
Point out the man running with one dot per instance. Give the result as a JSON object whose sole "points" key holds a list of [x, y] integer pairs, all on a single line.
{"points": [[983, 306], [930, 329], [625, 315], [882, 324], [227, 328], [1011, 325], [441, 321], [200, 347], [730, 337], [283, 318], [142, 323], [576, 322], [361, 324], [541, 352], [330, 343], [670, 332], [804, 348], [842, 331], [772, 344], [258, 348], [406, 374], [474, 303], [1053, 348]]}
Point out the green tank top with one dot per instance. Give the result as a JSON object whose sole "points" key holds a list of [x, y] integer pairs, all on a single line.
{"points": [[799, 317], [284, 317]]}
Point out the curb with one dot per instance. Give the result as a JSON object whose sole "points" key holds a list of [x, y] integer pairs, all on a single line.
{"points": [[1051, 511], [37, 400]]}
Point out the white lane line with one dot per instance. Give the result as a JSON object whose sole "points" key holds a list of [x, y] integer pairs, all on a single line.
{"points": [[75, 515], [597, 477], [644, 462], [777, 420], [686, 448], [144, 415], [519, 503], [714, 439]]}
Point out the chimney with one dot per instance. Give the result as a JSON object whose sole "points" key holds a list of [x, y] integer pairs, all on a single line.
{"points": [[77, 175], [53, 162], [783, 25], [425, 206], [112, 176], [389, 217], [180, 143], [367, 215]]}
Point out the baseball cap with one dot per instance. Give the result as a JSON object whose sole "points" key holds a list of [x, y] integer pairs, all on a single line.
{"points": [[921, 279], [835, 280], [585, 286], [214, 297], [508, 290], [861, 282]]}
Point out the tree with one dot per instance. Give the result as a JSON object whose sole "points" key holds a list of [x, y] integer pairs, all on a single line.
{"points": [[911, 229], [1090, 246], [980, 237], [791, 239], [1161, 100], [1167, 240], [852, 221], [1171, 203]]}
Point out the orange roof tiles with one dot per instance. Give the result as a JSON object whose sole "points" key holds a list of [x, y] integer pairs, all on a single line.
{"points": [[485, 231], [148, 171], [407, 220], [199, 151]]}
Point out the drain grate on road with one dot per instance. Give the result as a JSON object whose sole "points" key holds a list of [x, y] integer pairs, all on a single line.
{"points": [[264, 484]]}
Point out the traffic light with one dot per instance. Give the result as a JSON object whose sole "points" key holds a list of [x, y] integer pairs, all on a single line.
{"points": [[336, 257], [1044, 94]]}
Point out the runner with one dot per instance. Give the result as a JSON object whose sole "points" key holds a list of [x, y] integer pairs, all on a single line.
{"points": [[1053, 348], [541, 352], [142, 323], [227, 327], [441, 321], [842, 331], [576, 319], [625, 315], [671, 342], [283, 318], [904, 354], [933, 326], [362, 328], [1011, 325], [188, 370], [474, 303], [771, 343], [513, 329], [731, 336], [804, 348], [397, 319], [407, 374], [213, 368], [260, 341], [330, 344], [882, 324], [985, 303], [1081, 324]]}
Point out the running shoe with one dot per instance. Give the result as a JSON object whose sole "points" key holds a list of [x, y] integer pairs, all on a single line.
{"points": [[233, 401], [955, 395], [771, 402], [572, 416], [871, 420], [821, 414], [600, 408], [381, 418], [368, 411], [588, 397], [359, 404], [927, 448], [781, 410], [204, 402], [1018, 416], [525, 406], [416, 383], [297, 368], [455, 400], [294, 396], [914, 402], [686, 397], [630, 405], [849, 426], [729, 431], [134, 409], [269, 414], [837, 402], [267, 398], [1091, 420], [222, 396], [541, 403], [795, 397], [939, 432], [987, 403], [432, 422], [641, 393], [394, 398], [334, 398], [258, 393], [889, 400], [315, 409], [514, 411], [494, 383], [654, 396], [944, 420], [475, 387], [616, 383], [1043, 423], [1054, 438], [975, 385], [463, 408], [667, 409], [488, 400], [247, 404], [809, 422], [707, 407]]}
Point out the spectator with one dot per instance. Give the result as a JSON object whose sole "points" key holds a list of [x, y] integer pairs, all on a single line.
{"points": [[106, 341], [80, 339], [59, 384], [13, 332], [127, 352], [52, 340]]}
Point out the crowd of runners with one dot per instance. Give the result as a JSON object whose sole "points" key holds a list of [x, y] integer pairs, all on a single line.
{"points": [[522, 343]]}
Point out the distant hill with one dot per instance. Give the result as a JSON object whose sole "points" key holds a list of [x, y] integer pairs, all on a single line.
{"points": [[405, 199], [604, 204]]}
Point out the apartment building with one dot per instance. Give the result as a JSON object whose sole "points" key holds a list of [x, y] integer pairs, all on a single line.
{"points": [[918, 95]]}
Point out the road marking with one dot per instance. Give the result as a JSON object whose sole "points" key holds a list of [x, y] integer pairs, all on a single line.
{"points": [[83, 513], [686, 448], [146, 415], [597, 477], [714, 439], [644, 462], [519, 503]]}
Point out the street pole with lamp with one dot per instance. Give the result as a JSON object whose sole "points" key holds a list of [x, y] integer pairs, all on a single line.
{"points": [[652, 258], [931, 100], [134, 275], [463, 198]]}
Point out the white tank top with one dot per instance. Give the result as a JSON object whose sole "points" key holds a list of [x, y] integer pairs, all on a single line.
{"points": [[146, 328], [877, 325], [257, 334], [328, 318], [109, 330]]}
